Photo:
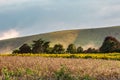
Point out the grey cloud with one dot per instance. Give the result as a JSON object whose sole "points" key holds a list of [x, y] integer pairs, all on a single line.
{"points": [[50, 15]]}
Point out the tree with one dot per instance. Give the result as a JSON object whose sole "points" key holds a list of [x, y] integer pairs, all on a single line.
{"points": [[91, 50], [46, 46], [79, 49], [49, 50], [25, 48], [15, 52], [39, 46], [110, 44], [58, 49], [71, 48]]}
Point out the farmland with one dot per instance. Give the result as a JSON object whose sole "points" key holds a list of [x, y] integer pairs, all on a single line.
{"points": [[107, 56], [60, 67]]}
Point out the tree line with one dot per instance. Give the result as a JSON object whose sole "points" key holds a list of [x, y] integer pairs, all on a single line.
{"points": [[110, 44]]}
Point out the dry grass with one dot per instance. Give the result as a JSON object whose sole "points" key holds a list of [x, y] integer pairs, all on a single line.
{"points": [[100, 69]]}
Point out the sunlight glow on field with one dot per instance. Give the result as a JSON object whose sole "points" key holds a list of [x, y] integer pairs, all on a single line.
{"points": [[110, 56]]}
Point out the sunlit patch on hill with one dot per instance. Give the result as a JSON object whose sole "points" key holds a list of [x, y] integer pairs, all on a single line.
{"points": [[81, 37]]}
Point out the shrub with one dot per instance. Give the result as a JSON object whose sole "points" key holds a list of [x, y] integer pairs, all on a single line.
{"points": [[63, 74]]}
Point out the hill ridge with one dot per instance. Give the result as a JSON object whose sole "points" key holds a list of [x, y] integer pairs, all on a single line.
{"points": [[80, 37]]}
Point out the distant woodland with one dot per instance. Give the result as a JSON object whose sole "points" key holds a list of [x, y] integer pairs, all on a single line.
{"points": [[109, 45]]}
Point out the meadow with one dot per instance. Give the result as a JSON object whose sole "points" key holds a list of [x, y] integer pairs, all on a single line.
{"points": [[60, 67]]}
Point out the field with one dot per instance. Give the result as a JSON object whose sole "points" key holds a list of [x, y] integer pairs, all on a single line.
{"points": [[107, 56], [55, 67]]}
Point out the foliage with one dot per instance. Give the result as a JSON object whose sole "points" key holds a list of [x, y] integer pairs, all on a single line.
{"points": [[63, 74], [15, 52], [58, 49], [87, 77], [110, 44], [80, 50], [27, 74], [40, 46], [6, 74], [71, 48], [46, 47], [91, 50], [49, 50], [25, 48]]}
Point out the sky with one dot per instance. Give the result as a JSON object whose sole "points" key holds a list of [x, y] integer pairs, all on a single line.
{"points": [[28, 17]]}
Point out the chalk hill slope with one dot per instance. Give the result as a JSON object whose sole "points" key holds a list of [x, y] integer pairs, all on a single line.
{"points": [[81, 37]]}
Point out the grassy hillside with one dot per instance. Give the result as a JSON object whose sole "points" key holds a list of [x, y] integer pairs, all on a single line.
{"points": [[85, 38]]}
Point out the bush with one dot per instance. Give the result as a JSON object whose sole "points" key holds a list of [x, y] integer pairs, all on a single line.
{"points": [[63, 74], [86, 57]]}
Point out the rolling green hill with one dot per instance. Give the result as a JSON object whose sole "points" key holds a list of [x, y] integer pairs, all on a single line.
{"points": [[82, 37]]}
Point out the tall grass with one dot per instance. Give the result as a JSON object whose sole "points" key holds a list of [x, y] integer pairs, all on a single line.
{"points": [[40, 68]]}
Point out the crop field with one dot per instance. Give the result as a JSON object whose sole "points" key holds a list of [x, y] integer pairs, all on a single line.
{"points": [[107, 56], [60, 67]]}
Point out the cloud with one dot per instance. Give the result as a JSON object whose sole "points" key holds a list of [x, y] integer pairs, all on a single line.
{"points": [[9, 34], [109, 10], [11, 1], [52, 15]]}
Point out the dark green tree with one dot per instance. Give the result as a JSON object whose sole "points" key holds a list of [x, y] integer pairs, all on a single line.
{"points": [[37, 46], [49, 50], [91, 50], [25, 48], [58, 49], [71, 48], [110, 44], [80, 50], [15, 52], [46, 46]]}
